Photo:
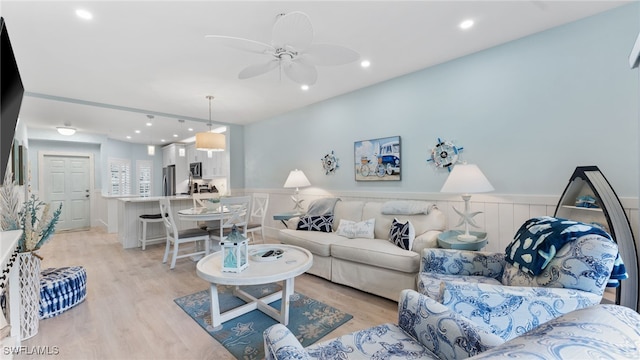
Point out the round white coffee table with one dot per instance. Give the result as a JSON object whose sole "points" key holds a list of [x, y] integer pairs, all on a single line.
{"points": [[293, 262]]}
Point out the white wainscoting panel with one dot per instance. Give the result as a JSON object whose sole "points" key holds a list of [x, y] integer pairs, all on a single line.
{"points": [[502, 215]]}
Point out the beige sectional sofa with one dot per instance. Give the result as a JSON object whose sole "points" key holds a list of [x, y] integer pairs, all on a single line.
{"points": [[376, 265]]}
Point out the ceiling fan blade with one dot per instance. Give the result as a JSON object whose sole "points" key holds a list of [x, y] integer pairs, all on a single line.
{"points": [[258, 69], [242, 44], [330, 55], [300, 72], [292, 29]]}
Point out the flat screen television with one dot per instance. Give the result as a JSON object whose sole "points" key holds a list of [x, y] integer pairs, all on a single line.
{"points": [[11, 92]]}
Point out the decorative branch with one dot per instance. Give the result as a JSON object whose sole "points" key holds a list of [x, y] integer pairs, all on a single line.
{"points": [[38, 224], [10, 204]]}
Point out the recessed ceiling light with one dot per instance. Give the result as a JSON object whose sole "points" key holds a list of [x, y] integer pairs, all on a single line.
{"points": [[175, 135], [190, 129], [128, 137], [304, 87], [365, 63], [149, 124], [137, 131], [466, 24], [84, 14], [162, 140]]}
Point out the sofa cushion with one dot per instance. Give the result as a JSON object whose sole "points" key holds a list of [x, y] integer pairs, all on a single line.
{"points": [[386, 341], [319, 243], [351, 229], [402, 234], [322, 223], [422, 223], [348, 210], [376, 252]]}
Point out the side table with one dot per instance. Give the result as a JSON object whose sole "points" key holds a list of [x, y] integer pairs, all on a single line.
{"points": [[283, 217], [449, 240]]}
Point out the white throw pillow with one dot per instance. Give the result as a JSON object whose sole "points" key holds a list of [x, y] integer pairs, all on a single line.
{"points": [[352, 229]]}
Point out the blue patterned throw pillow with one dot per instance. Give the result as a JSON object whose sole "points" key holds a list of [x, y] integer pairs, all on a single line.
{"points": [[316, 223], [402, 234]]}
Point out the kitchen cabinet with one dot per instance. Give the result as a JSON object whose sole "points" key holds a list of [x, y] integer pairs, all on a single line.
{"points": [[212, 166], [589, 198], [175, 154]]}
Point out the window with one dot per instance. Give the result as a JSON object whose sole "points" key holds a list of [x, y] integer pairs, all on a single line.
{"points": [[120, 172], [144, 169]]}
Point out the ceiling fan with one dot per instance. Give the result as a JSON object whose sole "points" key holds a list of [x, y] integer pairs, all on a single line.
{"points": [[292, 50]]}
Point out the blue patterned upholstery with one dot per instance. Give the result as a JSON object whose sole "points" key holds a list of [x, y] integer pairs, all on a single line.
{"points": [[486, 289], [61, 289], [429, 330], [596, 332], [425, 330]]}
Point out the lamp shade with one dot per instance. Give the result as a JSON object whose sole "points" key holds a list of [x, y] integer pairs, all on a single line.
{"points": [[466, 179], [210, 141], [296, 179]]}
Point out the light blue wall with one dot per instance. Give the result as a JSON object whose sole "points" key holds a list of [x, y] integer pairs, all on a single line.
{"points": [[527, 112], [102, 149]]}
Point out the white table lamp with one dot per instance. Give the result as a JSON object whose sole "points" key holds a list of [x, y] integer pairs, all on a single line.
{"points": [[466, 179], [296, 179]]}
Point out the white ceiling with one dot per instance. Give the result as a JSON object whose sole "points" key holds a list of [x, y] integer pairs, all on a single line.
{"points": [[151, 57]]}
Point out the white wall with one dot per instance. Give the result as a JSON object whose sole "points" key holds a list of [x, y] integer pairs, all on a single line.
{"points": [[527, 112]]}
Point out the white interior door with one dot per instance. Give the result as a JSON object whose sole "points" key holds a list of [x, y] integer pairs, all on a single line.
{"points": [[67, 183]]}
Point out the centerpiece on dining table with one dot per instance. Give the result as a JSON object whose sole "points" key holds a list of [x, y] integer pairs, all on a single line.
{"points": [[211, 204]]}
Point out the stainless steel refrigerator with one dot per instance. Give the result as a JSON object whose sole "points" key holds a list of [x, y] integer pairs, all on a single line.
{"points": [[169, 180]]}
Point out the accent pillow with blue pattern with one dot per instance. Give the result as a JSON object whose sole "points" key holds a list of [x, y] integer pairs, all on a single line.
{"points": [[322, 223], [402, 234], [538, 240]]}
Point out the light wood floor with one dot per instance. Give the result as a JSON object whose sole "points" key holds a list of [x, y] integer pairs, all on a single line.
{"points": [[129, 311]]}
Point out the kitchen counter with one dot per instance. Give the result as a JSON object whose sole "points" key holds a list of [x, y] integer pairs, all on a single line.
{"points": [[154, 198], [129, 210]]}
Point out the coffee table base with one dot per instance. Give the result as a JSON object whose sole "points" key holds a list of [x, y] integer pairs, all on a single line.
{"points": [[253, 303]]}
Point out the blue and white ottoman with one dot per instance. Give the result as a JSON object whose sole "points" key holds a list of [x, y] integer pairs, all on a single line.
{"points": [[61, 289]]}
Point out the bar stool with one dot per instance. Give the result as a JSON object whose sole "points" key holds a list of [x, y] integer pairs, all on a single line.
{"points": [[142, 228]]}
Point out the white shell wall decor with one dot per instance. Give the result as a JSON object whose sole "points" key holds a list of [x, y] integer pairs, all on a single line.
{"points": [[329, 163]]}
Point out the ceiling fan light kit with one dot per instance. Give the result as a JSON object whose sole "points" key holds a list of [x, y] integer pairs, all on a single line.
{"points": [[292, 50]]}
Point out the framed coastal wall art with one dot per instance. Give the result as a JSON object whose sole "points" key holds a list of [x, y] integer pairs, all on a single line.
{"points": [[377, 159]]}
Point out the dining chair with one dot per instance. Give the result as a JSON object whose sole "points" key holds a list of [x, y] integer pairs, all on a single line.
{"points": [[237, 210], [176, 238], [204, 200], [259, 204]]}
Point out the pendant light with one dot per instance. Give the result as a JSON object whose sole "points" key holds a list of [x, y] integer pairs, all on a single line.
{"points": [[210, 141], [182, 152], [151, 149]]}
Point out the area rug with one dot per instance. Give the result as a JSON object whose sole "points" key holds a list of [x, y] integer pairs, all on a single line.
{"points": [[309, 319]]}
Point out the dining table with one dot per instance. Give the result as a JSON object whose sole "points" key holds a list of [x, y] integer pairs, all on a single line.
{"points": [[202, 214], [199, 214]]}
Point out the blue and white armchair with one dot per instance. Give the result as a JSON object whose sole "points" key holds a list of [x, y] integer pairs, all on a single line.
{"points": [[504, 296], [426, 330]]}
